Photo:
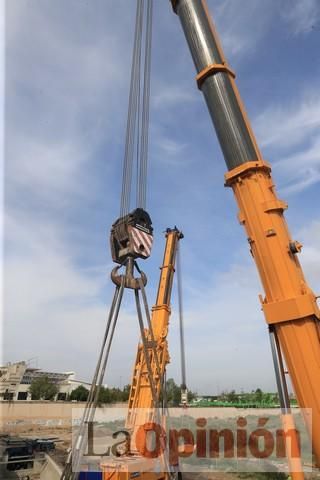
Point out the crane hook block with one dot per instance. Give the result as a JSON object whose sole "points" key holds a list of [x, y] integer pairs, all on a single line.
{"points": [[131, 236], [128, 279]]}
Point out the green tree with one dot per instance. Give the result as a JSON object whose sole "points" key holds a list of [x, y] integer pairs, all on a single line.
{"points": [[173, 393], [80, 394], [232, 397], [105, 395], [114, 394], [258, 395], [191, 396], [42, 388], [125, 393]]}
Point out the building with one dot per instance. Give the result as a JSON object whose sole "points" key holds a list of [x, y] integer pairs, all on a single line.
{"points": [[16, 378]]}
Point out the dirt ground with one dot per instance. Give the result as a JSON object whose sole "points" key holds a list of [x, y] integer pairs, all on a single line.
{"points": [[32, 431], [63, 433]]}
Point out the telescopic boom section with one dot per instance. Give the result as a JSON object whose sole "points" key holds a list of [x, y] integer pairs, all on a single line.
{"points": [[289, 304], [141, 391]]}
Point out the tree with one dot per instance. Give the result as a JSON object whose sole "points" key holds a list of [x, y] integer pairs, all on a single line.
{"points": [[80, 394], [191, 396], [173, 393], [258, 395], [125, 393], [105, 395], [232, 397], [42, 388]]}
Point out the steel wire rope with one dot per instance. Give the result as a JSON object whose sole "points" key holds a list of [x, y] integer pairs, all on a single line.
{"points": [[181, 322], [145, 349], [138, 111], [94, 381], [107, 348], [155, 398], [150, 328], [146, 106], [137, 130], [75, 455], [131, 116]]}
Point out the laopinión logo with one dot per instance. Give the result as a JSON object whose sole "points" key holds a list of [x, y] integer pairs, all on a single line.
{"points": [[199, 442]]}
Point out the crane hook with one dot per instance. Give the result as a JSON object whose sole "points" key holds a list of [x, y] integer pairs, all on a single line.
{"points": [[130, 281]]}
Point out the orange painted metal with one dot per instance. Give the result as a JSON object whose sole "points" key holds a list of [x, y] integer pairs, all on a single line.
{"points": [[289, 304], [140, 393], [140, 403], [292, 447], [211, 70]]}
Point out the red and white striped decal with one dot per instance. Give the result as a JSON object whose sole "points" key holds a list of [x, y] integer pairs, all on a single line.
{"points": [[141, 239]]}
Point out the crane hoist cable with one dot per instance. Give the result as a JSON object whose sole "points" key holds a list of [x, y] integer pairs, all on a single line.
{"points": [[72, 467], [131, 235], [137, 131], [73, 464], [184, 390]]}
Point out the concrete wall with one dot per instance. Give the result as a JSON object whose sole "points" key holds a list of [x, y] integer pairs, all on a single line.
{"points": [[50, 471], [41, 413], [18, 416]]}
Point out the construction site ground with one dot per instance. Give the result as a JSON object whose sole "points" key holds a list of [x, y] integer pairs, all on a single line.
{"points": [[63, 433]]}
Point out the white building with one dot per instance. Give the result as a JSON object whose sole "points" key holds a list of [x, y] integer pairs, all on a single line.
{"points": [[16, 378]]}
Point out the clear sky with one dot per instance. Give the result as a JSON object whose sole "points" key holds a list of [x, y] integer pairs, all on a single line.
{"points": [[67, 82]]}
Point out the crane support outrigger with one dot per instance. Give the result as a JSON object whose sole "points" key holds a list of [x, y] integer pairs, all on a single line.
{"points": [[289, 305]]}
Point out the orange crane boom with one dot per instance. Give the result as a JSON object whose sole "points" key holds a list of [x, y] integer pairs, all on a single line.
{"points": [[145, 388], [140, 393], [289, 305]]}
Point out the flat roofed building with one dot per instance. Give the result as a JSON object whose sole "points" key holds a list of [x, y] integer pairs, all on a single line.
{"points": [[16, 378]]}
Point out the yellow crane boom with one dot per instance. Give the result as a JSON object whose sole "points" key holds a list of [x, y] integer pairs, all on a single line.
{"points": [[153, 349], [289, 305], [141, 393]]}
